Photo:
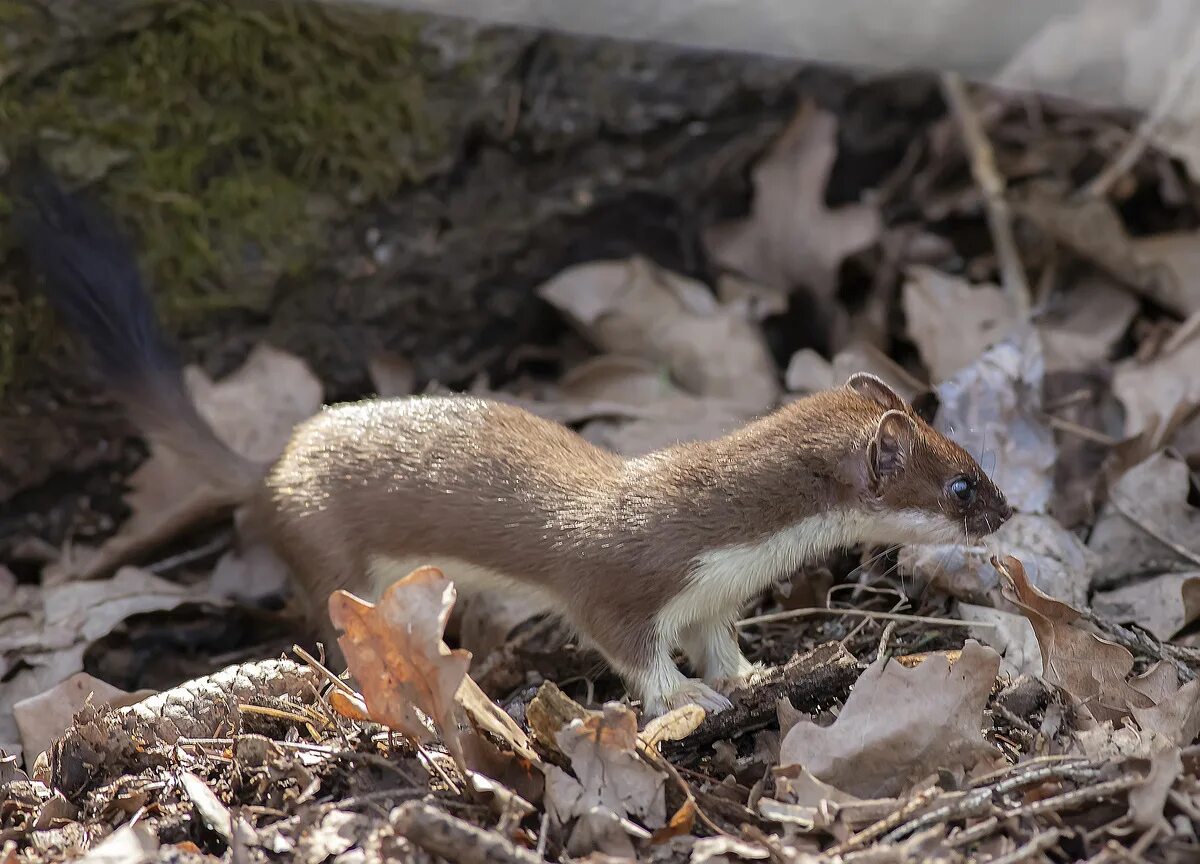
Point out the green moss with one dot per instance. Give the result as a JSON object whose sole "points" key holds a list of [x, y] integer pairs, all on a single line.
{"points": [[222, 132]]}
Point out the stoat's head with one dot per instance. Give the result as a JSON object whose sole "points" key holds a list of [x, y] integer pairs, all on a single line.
{"points": [[919, 479]]}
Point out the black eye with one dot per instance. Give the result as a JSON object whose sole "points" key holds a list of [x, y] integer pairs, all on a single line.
{"points": [[963, 488]]}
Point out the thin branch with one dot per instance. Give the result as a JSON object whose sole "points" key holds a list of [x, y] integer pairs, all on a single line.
{"points": [[772, 617], [987, 177], [1183, 75], [1036, 844]]}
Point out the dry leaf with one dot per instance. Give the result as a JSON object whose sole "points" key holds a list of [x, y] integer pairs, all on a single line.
{"points": [[951, 321], [609, 773], [680, 825], [1147, 801], [636, 308], [1191, 600], [251, 572], [791, 238], [1057, 561], [809, 372], [392, 374], [690, 420], [1011, 635], [1091, 669], [44, 717], [1090, 227], [899, 725], [993, 408], [486, 715], [395, 652], [1155, 493], [1084, 322], [1173, 717], [1155, 603], [1176, 258], [1152, 392], [129, 844], [486, 617], [253, 411], [49, 646], [349, 705], [602, 834]]}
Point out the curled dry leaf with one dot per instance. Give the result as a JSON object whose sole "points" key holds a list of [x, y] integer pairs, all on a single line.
{"points": [[675, 725], [1147, 505], [993, 408], [395, 652], [950, 320], [609, 772], [900, 725], [253, 411], [791, 238], [1091, 669], [634, 307]]}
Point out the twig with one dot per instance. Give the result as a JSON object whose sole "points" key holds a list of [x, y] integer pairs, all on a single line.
{"points": [[1069, 800], [323, 671], [1177, 85], [772, 617], [656, 759], [1080, 431], [435, 767], [189, 556], [889, 822], [979, 800], [1033, 766], [1037, 843], [885, 640], [987, 177]]}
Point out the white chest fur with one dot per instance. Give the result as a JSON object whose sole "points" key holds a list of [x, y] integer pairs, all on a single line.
{"points": [[722, 580]]}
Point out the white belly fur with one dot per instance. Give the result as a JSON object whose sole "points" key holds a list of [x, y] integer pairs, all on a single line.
{"points": [[468, 578], [723, 580]]}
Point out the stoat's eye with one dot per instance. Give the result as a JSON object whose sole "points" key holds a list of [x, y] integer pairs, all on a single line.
{"points": [[963, 489]]}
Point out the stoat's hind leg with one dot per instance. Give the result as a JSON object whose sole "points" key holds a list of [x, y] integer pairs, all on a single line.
{"points": [[642, 657], [713, 649]]}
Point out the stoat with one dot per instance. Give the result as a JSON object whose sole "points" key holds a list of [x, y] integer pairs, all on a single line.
{"points": [[640, 555]]}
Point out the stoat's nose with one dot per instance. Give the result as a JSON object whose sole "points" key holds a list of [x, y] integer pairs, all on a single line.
{"points": [[1006, 511]]}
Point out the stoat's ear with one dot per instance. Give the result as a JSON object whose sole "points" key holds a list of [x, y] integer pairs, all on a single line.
{"points": [[874, 389], [890, 449]]}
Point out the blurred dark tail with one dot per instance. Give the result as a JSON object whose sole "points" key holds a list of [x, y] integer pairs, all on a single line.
{"points": [[91, 280]]}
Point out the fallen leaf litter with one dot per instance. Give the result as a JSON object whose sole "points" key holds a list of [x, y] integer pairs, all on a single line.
{"points": [[1059, 723]]}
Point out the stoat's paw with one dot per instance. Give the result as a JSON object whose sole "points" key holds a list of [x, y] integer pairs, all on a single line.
{"points": [[747, 676], [695, 692]]}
